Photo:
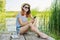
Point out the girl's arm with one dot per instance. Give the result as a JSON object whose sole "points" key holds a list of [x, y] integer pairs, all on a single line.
{"points": [[22, 23], [30, 16]]}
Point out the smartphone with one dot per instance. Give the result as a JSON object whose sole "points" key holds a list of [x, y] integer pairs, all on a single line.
{"points": [[34, 17]]}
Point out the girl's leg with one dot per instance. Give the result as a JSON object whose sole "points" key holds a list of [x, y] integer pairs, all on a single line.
{"points": [[35, 29], [24, 29]]}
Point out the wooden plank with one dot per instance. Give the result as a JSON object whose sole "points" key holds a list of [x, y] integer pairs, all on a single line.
{"points": [[21, 37], [5, 36], [28, 36], [32, 36]]}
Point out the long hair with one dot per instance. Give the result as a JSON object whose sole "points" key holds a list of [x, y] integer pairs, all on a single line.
{"points": [[28, 12]]}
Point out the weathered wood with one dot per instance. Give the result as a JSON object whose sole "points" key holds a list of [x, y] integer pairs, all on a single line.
{"points": [[21, 37], [28, 36], [32, 36], [4, 36]]}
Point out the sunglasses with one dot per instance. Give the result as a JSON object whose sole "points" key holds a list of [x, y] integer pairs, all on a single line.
{"points": [[26, 7]]}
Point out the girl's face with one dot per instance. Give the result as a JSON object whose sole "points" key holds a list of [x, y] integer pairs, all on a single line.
{"points": [[26, 8]]}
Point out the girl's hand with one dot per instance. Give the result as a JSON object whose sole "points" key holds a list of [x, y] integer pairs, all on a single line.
{"points": [[32, 20]]}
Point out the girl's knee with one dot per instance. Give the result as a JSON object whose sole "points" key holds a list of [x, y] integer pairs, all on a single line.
{"points": [[30, 24], [32, 28]]}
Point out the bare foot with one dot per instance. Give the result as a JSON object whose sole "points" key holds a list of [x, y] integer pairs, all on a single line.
{"points": [[42, 35]]}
